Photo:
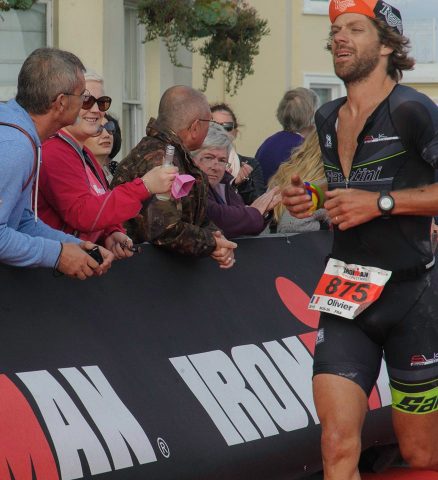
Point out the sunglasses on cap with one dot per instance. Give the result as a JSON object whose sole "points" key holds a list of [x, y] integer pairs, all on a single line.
{"points": [[228, 126], [103, 103]]}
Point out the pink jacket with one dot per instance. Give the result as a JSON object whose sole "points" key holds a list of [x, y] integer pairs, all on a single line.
{"points": [[73, 194]]}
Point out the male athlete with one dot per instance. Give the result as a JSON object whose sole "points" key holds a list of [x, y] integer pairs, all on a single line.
{"points": [[380, 149]]}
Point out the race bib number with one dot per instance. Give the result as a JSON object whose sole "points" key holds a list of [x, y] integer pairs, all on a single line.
{"points": [[347, 289]]}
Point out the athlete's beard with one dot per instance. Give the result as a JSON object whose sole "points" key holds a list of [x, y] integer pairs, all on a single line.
{"points": [[360, 68]]}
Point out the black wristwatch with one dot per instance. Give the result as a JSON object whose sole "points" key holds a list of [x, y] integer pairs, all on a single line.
{"points": [[385, 203]]}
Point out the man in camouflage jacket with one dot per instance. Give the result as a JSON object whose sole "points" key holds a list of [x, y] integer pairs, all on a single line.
{"points": [[179, 225]]}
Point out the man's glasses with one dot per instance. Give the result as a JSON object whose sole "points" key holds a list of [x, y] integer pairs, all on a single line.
{"points": [[210, 160], [103, 103]]}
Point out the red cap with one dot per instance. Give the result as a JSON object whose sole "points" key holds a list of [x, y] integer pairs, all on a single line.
{"points": [[370, 8]]}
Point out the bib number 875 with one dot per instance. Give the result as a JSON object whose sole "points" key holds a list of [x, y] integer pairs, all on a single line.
{"points": [[341, 288]]}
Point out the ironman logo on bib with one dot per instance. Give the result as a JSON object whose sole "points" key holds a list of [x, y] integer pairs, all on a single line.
{"points": [[347, 289]]}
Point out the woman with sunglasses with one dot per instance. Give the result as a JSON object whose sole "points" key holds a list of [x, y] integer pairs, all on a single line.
{"points": [[247, 171], [73, 193], [106, 145]]}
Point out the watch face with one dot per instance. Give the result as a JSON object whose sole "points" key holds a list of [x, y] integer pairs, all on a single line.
{"points": [[386, 203]]}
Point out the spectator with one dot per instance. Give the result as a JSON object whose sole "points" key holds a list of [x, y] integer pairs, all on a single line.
{"points": [[178, 225], [106, 145], [225, 206], [73, 193], [247, 171], [306, 162], [296, 114], [50, 93]]}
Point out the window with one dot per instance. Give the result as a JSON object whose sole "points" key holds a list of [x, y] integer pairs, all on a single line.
{"points": [[420, 23], [327, 87], [21, 32], [133, 94], [318, 7]]}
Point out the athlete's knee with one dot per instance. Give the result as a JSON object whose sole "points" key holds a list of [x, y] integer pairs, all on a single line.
{"points": [[420, 456], [338, 444]]}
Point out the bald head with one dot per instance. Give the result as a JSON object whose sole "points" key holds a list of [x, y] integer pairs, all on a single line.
{"points": [[180, 106]]}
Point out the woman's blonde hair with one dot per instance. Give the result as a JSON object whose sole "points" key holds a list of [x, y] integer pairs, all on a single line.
{"points": [[306, 162]]}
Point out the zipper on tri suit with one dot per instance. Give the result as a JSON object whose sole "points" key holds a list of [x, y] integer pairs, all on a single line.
{"points": [[347, 183]]}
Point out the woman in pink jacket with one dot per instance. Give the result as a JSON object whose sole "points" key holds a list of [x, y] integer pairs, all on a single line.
{"points": [[73, 194]]}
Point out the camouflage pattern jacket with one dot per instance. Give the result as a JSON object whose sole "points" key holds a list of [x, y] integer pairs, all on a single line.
{"points": [[179, 225]]}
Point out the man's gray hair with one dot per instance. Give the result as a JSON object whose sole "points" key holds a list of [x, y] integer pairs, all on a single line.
{"points": [[217, 137], [297, 109], [180, 106], [45, 74]]}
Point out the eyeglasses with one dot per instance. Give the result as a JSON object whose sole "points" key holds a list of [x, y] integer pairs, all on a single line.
{"points": [[103, 103], [210, 160], [228, 126]]}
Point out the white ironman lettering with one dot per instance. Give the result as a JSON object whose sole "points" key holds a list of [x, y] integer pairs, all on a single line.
{"points": [[228, 386], [212, 407], [289, 414], [297, 369], [69, 435], [116, 423]]}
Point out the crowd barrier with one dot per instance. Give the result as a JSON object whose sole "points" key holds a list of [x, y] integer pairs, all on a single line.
{"points": [[168, 368]]}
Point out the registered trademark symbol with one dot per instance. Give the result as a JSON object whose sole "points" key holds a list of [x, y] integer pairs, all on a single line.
{"points": [[164, 448]]}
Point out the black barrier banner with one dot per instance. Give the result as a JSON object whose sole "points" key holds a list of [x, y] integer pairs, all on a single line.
{"points": [[167, 368]]}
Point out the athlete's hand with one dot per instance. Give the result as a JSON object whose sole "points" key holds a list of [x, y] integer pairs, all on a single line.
{"points": [[350, 207], [296, 199]]}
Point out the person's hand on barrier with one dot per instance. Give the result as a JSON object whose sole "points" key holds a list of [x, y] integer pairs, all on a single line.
{"points": [[104, 263], [351, 207], [267, 201], [224, 251], [119, 245], [296, 199], [244, 173], [75, 262], [159, 179]]}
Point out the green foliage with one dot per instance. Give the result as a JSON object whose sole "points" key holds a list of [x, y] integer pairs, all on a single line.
{"points": [[232, 29], [6, 5]]}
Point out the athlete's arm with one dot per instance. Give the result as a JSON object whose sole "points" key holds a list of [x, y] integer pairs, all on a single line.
{"points": [[352, 207]]}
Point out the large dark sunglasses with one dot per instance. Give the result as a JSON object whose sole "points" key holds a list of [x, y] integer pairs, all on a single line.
{"points": [[228, 126], [103, 103]]}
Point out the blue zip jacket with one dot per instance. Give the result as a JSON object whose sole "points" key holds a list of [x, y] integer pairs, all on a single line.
{"points": [[24, 241]]}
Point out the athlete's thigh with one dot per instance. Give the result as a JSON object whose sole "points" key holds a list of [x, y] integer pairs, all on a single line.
{"points": [[340, 403], [345, 350], [411, 353]]}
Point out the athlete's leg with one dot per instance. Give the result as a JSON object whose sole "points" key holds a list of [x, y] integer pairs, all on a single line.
{"points": [[341, 406], [418, 438]]}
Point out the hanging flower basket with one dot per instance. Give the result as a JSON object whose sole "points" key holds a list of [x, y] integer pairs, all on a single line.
{"points": [[232, 32]]}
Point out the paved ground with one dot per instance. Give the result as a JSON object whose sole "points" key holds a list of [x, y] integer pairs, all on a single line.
{"points": [[392, 474]]}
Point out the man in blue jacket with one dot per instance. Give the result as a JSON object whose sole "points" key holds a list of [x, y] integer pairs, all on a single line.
{"points": [[50, 93]]}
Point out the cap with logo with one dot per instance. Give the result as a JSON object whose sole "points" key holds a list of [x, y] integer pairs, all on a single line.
{"points": [[371, 8]]}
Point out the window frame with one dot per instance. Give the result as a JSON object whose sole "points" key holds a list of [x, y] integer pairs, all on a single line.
{"points": [[134, 108], [315, 7], [9, 91], [323, 80]]}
